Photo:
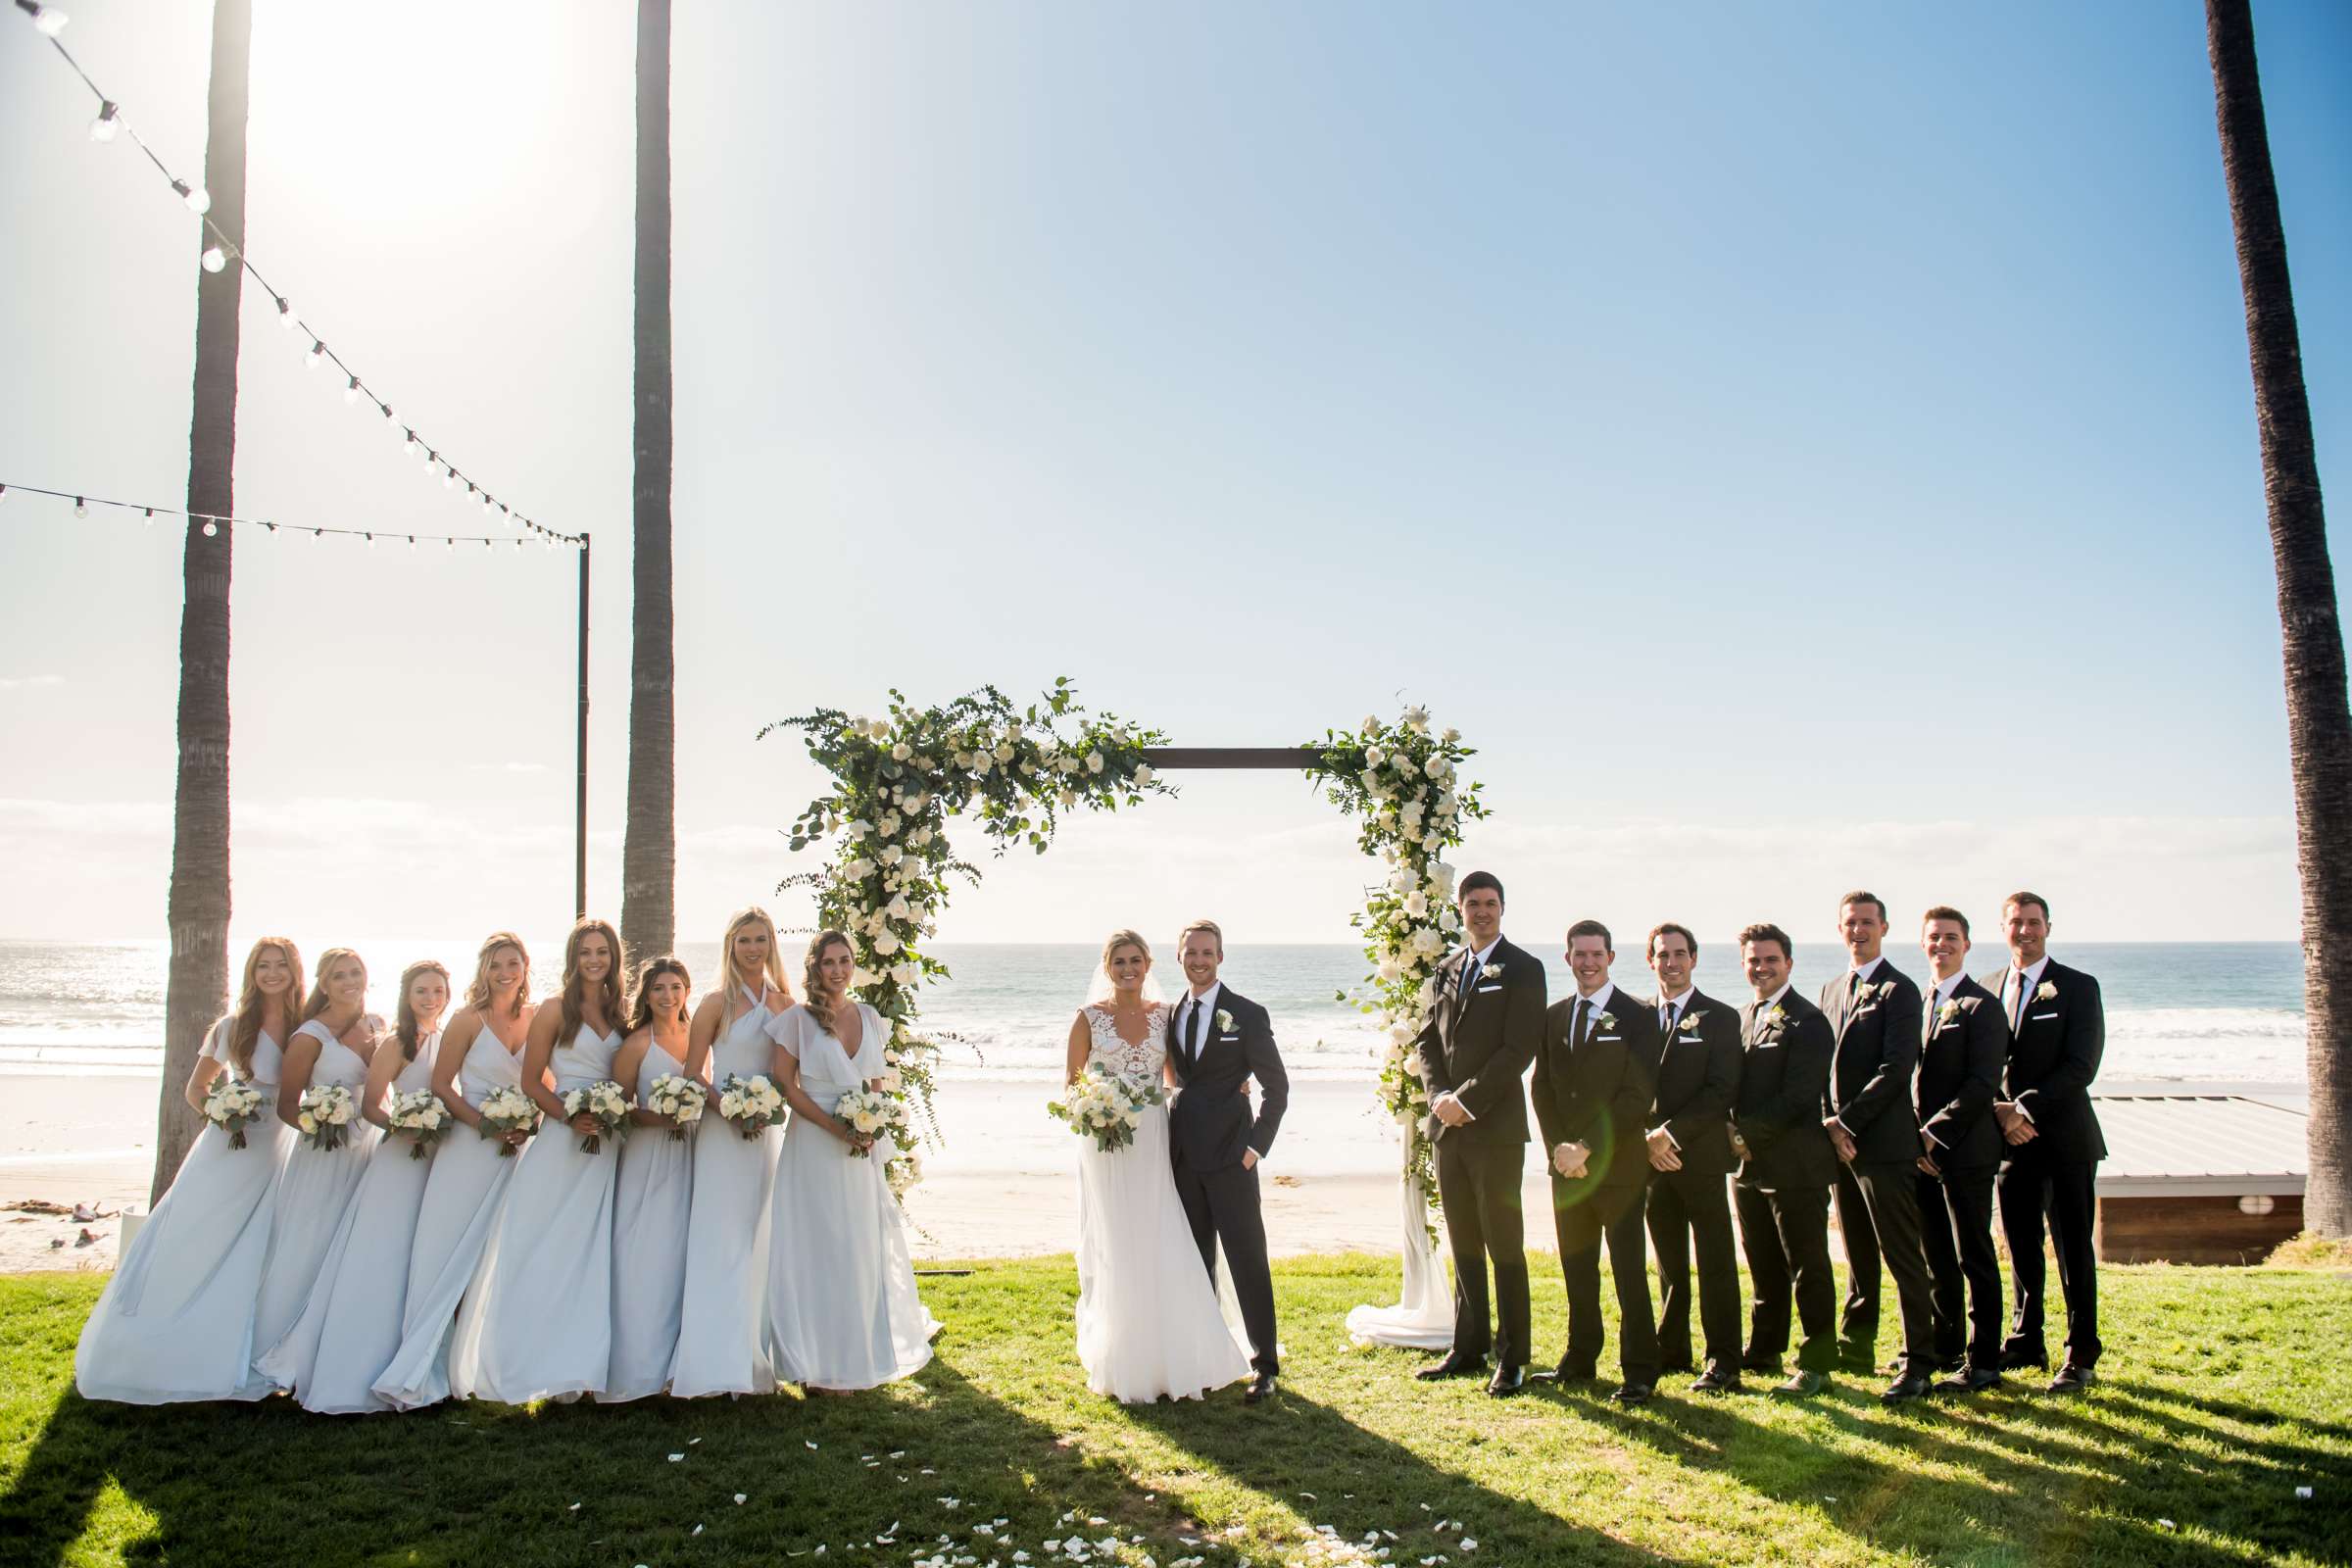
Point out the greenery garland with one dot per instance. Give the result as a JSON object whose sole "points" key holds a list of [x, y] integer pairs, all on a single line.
{"points": [[1405, 785], [897, 780]]}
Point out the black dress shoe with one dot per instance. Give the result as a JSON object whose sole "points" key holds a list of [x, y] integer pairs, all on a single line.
{"points": [[1566, 1372], [1906, 1387], [1259, 1387], [1970, 1380], [1506, 1381], [1717, 1378], [1801, 1385], [2016, 1358], [1632, 1396], [1453, 1366], [2072, 1379]]}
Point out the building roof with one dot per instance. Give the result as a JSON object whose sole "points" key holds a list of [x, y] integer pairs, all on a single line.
{"points": [[2199, 1145]]}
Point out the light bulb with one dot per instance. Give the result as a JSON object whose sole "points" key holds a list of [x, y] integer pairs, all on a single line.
{"points": [[210, 529], [199, 200], [49, 20], [150, 511], [81, 508], [109, 121], [485, 503], [310, 360], [448, 479], [285, 312], [3, 492], [412, 541], [370, 538], [431, 458], [350, 393], [215, 258]]}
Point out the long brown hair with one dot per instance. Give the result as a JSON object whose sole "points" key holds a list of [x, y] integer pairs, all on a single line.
{"points": [[406, 1015], [729, 977], [575, 987], [327, 960], [245, 1027], [640, 1002], [819, 1006], [477, 991]]}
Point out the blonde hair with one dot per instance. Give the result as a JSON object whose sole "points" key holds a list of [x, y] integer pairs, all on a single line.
{"points": [[1209, 926], [574, 1008], [1124, 938], [327, 961], [246, 1025], [477, 991], [405, 1029], [820, 1005], [729, 977]]}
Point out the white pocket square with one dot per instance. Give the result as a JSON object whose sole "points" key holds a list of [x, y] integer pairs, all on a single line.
{"points": [[2042, 1017]]}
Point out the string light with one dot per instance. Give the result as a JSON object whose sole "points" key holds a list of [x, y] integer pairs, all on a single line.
{"points": [[216, 256], [212, 522], [311, 361]]}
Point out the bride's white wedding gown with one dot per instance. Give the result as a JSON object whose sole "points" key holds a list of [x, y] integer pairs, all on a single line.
{"points": [[1149, 1322]]}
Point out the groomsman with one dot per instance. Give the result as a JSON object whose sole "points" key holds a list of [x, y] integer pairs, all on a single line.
{"points": [[1874, 1011], [1483, 1034], [1595, 1075], [1689, 1149], [1785, 1167], [2059, 1030], [1963, 1049]]}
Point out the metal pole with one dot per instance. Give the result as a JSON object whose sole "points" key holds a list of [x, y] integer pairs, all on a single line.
{"points": [[579, 810], [1232, 757]]}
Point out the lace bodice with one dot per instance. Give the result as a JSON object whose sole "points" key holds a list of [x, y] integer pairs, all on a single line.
{"points": [[1134, 1061]]}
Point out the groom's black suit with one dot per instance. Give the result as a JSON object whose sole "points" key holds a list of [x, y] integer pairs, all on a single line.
{"points": [[1210, 1125]]}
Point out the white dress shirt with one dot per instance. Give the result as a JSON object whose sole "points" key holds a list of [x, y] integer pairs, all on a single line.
{"points": [[1466, 975], [2017, 997], [1204, 1005], [1670, 1020]]}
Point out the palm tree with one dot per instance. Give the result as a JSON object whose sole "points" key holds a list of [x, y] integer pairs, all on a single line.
{"points": [[199, 900], [2317, 725], [648, 862]]}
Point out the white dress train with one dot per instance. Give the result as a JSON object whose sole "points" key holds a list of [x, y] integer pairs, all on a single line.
{"points": [[723, 1332], [651, 1199], [842, 1303], [175, 1322], [1149, 1319], [313, 1190], [348, 1333], [537, 1323], [464, 1192]]}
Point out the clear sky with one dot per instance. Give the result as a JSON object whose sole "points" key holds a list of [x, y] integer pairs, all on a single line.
{"points": [[1801, 446]]}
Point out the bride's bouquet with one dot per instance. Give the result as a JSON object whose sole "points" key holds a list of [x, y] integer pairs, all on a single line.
{"points": [[751, 1105], [421, 1114], [874, 1113], [230, 1105], [679, 1098], [1106, 1106], [324, 1112], [507, 1111], [608, 1104]]}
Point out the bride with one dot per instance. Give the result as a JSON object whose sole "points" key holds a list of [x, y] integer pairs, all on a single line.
{"points": [[1148, 1324]]}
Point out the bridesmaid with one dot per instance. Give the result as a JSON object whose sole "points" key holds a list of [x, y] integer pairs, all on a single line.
{"points": [[653, 1193], [468, 1183], [351, 1327], [841, 1304], [175, 1322], [723, 1335], [537, 1323], [334, 1044]]}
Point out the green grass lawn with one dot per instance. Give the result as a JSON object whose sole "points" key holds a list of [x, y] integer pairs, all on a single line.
{"points": [[2225, 1391]]}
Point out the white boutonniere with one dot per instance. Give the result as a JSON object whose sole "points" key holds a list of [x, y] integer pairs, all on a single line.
{"points": [[1607, 1021], [1224, 1021], [1947, 1012], [1492, 971], [1689, 1023], [2047, 991], [1778, 1015]]}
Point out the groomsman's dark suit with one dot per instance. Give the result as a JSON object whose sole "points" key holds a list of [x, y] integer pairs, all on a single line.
{"points": [[1210, 1125], [2053, 1055], [1594, 1077], [1698, 1083], [1782, 1190], [1874, 1023], [1961, 1058], [1479, 1040]]}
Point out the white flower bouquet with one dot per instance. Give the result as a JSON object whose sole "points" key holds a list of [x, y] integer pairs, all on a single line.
{"points": [[751, 1105], [507, 1111], [421, 1114], [324, 1112], [607, 1103], [1106, 1106], [230, 1104], [679, 1098], [876, 1114]]}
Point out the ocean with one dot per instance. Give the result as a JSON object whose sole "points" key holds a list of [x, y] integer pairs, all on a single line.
{"points": [[2177, 1013]]}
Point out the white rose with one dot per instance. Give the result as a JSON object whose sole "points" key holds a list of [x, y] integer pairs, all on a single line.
{"points": [[1416, 718], [1426, 941], [1068, 799], [310, 1123], [879, 729], [1143, 776], [892, 854], [1416, 904], [1003, 752], [884, 945], [904, 974], [1094, 761], [1374, 756], [1401, 880], [1451, 735], [1370, 724], [889, 825], [1390, 969], [902, 751]]}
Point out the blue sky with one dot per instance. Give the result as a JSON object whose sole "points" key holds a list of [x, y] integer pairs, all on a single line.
{"points": [[1801, 448]]}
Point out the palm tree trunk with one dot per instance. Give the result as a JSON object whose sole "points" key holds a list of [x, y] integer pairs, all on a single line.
{"points": [[2317, 725], [199, 900], [650, 857]]}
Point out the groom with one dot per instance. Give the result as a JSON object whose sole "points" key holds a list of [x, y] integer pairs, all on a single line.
{"points": [[1218, 1040]]}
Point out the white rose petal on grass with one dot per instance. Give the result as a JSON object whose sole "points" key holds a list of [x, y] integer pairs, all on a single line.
{"points": [[676, 1458], [741, 1497]]}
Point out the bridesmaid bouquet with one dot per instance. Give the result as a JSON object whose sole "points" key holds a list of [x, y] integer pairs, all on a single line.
{"points": [[679, 1098], [326, 1111], [608, 1104], [875, 1114], [1106, 1106], [752, 1104], [421, 1114], [230, 1105], [507, 1111]]}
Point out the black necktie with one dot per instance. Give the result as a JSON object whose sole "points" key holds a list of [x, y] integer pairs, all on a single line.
{"points": [[1184, 1029], [1575, 1038]]}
